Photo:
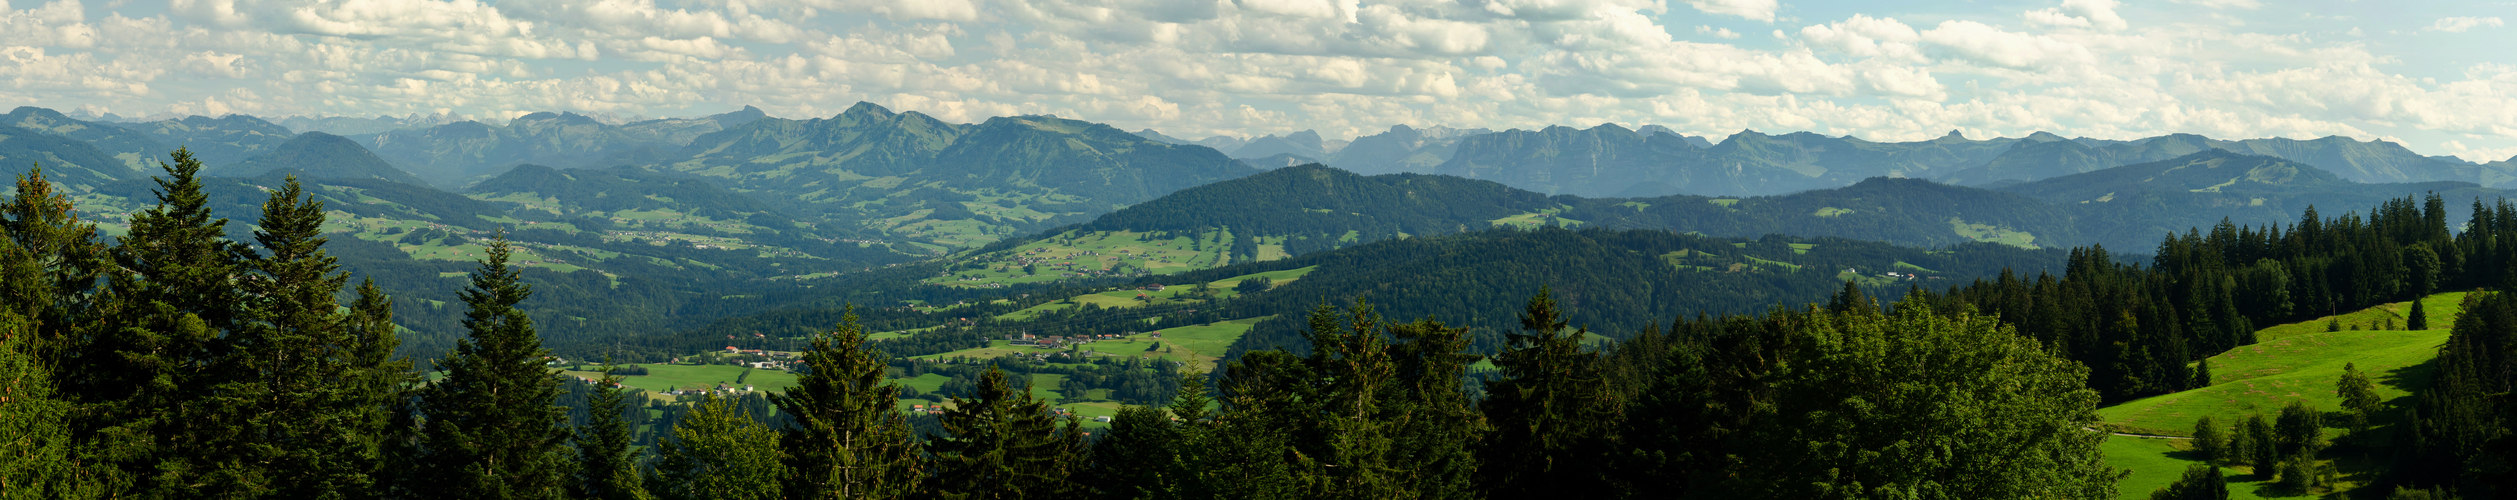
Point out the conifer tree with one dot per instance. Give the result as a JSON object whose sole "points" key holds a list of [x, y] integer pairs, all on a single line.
{"points": [[607, 465], [2201, 482], [717, 451], [1547, 433], [1190, 470], [2209, 443], [293, 386], [1001, 443], [2359, 395], [1352, 361], [1254, 446], [140, 379], [55, 288], [1435, 424], [36, 454], [2300, 432], [2241, 448], [845, 437], [2202, 373], [383, 379], [2419, 320], [2265, 452], [491, 430], [1135, 458]]}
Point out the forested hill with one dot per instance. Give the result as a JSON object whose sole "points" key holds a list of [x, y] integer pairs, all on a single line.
{"points": [[1616, 282], [2131, 206], [1316, 206], [1311, 208]]}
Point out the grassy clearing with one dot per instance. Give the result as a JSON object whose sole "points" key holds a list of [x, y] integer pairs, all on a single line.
{"points": [[924, 383], [2157, 462], [2442, 310], [1120, 299], [1992, 234], [666, 377], [1110, 253], [1534, 220], [2293, 362], [2261, 378]]}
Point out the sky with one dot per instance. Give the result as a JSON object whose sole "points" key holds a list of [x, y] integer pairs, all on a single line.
{"points": [[2436, 76]]}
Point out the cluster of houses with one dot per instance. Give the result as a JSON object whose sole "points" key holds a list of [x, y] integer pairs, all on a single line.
{"points": [[719, 389], [1056, 341]]}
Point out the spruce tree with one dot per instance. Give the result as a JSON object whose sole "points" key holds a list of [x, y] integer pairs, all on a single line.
{"points": [[1191, 471], [2241, 448], [1435, 423], [2209, 443], [717, 451], [2420, 318], [36, 454], [55, 288], [293, 385], [2300, 432], [2201, 482], [2265, 452], [845, 437], [1545, 411], [1352, 361], [140, 380], [1134, 458], [384, 380], [1001, 443], [2359, 396], [491, 429], [607, 465]]}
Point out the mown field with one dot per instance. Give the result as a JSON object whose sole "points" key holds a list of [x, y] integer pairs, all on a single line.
{"points": [[2292, 362], [1101, 253]]}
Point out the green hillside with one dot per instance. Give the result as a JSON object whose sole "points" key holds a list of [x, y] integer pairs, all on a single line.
{"points": [[2298, 362]]}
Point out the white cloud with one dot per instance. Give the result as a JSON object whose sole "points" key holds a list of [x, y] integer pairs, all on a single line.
{"points": [[2224, 4], [1761, 10], [1865, 36], [1245, 67], [2461, 24], [1984, 43], [2098, 14]]}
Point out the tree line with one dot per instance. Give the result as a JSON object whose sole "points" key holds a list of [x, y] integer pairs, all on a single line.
{"points": [[2143, 329]]}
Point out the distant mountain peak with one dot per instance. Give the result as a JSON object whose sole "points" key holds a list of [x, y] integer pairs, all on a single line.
{"points": [[2043, 136], [1953, 135], [1610, 127], [36, 111], [317, 155], [867, 110], [748, 114]]}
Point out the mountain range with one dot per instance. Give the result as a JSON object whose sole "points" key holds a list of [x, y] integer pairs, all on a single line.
{"points": [[666, 222], [1615, 161]]}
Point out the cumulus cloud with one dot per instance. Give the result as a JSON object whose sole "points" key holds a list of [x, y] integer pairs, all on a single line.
{"points": [[2224, 4], [2098, 14], [1865, 36], [1345, 67], [1983, 43], [1761, 10], [2462, 24]]}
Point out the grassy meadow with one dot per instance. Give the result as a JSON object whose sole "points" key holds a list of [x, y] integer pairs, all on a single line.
{"points": [[2291, 362]]}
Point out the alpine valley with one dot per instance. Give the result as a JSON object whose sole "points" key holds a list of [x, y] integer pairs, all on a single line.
{"points": [[1113, 271]]}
